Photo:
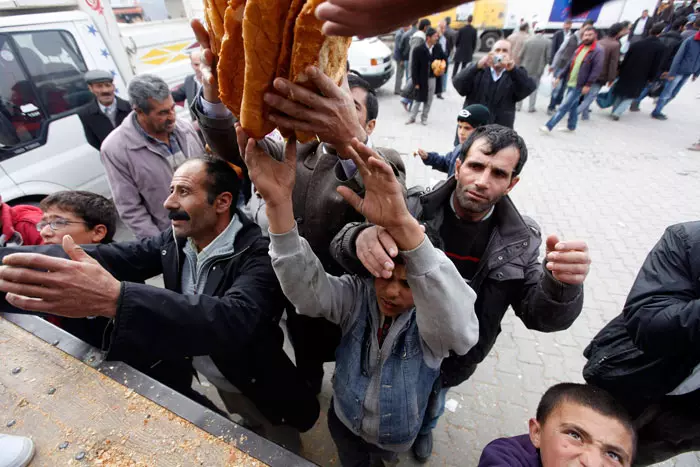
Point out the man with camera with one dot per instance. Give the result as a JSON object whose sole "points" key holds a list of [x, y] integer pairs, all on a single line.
{"points": [[496, 82]]}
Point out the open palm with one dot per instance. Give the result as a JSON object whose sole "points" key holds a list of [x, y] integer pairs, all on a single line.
{"points": [[383, 203]]}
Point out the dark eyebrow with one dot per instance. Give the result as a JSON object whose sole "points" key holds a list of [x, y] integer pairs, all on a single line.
{"points": [[581, 431], [617, 450]]}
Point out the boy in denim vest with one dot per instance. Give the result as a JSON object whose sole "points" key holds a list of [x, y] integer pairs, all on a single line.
{"points": [[396, 331]]}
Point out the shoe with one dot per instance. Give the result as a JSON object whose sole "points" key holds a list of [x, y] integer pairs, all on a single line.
{"points": [[566, 130], [439, 96], [406, 107], [411, 121], [423, 447], [634, 107], [694, 147], [424, 123], [397, 93], [532, 111], [585, 118], [615, 117], [17, 451], [550, 112], [545, 130], [659, 116]]}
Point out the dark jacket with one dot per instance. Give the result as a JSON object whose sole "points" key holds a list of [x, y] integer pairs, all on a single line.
{"points": [[563, 58], [649, 349], [647, 27], [187, 92], [642, 64], [466, 44], [611, 60], [517, 451], [96, 124], [509, 274], [234, 321], [590, 69], [672, 40], [421, 69], [557, 41], [444, 163], [500, 97], [406, 44]]}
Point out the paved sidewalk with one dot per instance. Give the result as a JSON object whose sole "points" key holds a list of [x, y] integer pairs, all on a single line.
{"points": [[615, 184]]}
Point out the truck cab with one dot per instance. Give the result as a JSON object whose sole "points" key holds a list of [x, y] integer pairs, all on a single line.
{"points": [[43, 58]]}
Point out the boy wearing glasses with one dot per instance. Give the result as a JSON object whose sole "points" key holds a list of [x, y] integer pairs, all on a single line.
{"points": [[88, 217]]}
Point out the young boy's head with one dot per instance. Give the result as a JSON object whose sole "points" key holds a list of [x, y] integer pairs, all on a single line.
{"points": [[469, 119], [87, 217], [394, 296], [579, 424]]}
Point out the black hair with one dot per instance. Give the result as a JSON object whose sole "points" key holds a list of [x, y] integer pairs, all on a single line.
{"points": [[415, 24], [615, 29], [588, 396], [678, 24], [657, 29], [499, 138], [424, 23], [626, 23], [371, 102], [470, 18], [221, 178], [524, 27], [589, 22], [91, 208], [448, 20], [429, 32]]}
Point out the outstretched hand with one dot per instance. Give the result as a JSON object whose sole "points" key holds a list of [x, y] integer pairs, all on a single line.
{"points": [[210, 85], [76, 288], [367, 18], [568, 261], [383, 203]]}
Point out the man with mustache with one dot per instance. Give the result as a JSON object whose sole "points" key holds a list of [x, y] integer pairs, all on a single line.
{"points": [[105, 112], [218, 312], [492, 245], [141, 155]]}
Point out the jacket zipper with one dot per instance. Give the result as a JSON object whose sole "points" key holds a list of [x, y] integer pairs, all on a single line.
{"points": [[214, 263]]}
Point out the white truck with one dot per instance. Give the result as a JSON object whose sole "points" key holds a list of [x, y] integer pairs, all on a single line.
{"points": [[45, 49]]}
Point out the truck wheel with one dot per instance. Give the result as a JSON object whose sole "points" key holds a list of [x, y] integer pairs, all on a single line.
{"points": [[488, 39]]}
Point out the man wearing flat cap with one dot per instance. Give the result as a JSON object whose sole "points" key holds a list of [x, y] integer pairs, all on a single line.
{"points": [[105, 112]]}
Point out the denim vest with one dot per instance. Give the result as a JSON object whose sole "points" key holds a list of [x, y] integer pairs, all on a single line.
{"points": [[406, 381]]}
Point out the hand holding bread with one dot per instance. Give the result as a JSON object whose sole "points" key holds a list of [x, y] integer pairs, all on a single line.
{"points": [[257, 41]]}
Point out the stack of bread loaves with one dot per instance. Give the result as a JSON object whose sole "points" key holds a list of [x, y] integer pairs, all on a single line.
{"points": [[257, 41]]}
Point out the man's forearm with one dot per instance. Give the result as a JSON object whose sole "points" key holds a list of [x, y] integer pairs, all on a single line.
{"points": [[408, 235], [280, 216]]}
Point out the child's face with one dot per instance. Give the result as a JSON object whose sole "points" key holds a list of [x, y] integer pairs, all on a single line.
{"points": [[463, 131], [393, 295], [68, 223], [574, 435]]}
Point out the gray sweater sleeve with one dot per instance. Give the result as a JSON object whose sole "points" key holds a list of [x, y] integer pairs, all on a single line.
{"points": [[444, 302], [310, 289]]}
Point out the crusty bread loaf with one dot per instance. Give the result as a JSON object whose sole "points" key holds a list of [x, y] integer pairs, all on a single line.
{"points": [[312, 47], [259, 40], [215, 24], [231, 67], [263, 28]]}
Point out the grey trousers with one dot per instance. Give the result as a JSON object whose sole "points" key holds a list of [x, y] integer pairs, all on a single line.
{"points": [[426, 105], [284, 435], [532, 100], [400, 71]]}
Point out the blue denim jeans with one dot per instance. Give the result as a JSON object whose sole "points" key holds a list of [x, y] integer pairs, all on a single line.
{"points": [[435, 409], [621, 105], [644, 94], [570, 106], [671, 90], [557, 94], [585, 108]]}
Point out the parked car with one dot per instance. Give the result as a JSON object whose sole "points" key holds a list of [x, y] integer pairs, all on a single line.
{"points": [[371, 59]]}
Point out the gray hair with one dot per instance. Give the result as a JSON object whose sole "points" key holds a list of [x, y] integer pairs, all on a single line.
{"points": [[144, 87]]}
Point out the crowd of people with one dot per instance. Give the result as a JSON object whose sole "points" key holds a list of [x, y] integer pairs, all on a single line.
{"points": [[660, 54], [403, 287]]}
